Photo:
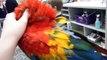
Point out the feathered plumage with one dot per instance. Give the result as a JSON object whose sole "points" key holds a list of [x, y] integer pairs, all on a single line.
{"points": [[44, 41]]}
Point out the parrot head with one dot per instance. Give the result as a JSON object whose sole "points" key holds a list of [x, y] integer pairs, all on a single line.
{"points": [[38, 11]]}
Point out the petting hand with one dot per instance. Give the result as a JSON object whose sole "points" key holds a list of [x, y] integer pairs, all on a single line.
{"points": [[11, 33], [13, 28]]}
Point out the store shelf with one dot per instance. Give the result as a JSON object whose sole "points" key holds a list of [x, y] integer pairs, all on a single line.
{"points": [[65, 10], [75, 8], [89, 26], [66, 15], [90, 5]]}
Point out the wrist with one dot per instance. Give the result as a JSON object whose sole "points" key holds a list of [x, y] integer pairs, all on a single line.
{"points": [[7, 45], [9, 40], [8, 36]]}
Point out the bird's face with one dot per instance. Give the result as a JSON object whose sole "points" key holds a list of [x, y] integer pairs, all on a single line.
{"points": [[38, 11]]}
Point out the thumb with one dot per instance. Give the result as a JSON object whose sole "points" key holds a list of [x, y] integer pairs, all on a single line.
{"points": [[24, 17]]}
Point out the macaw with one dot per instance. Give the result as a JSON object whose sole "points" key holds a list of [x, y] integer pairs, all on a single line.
{"points": [[43, 41]]}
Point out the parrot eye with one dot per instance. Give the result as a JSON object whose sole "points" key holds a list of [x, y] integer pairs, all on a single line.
{"points": [[41, 18], [35, 10]]}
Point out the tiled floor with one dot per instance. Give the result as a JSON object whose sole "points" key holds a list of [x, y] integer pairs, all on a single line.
{"points": [[19, 55]]}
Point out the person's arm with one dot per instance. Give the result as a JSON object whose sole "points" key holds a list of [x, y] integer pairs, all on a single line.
{"points": [[11, 33]]}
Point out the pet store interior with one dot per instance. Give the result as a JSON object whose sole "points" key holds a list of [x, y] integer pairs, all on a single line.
{"points": [[55, 30]]}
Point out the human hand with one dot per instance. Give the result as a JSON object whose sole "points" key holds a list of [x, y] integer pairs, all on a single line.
{"points": [[12, 28], [11, 33]]}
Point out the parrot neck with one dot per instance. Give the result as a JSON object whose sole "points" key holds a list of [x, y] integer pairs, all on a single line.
{"points": [[42, 25]]}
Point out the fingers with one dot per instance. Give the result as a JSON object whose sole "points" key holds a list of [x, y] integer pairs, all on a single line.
{"points": [[10, 16], [24, 17]]}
